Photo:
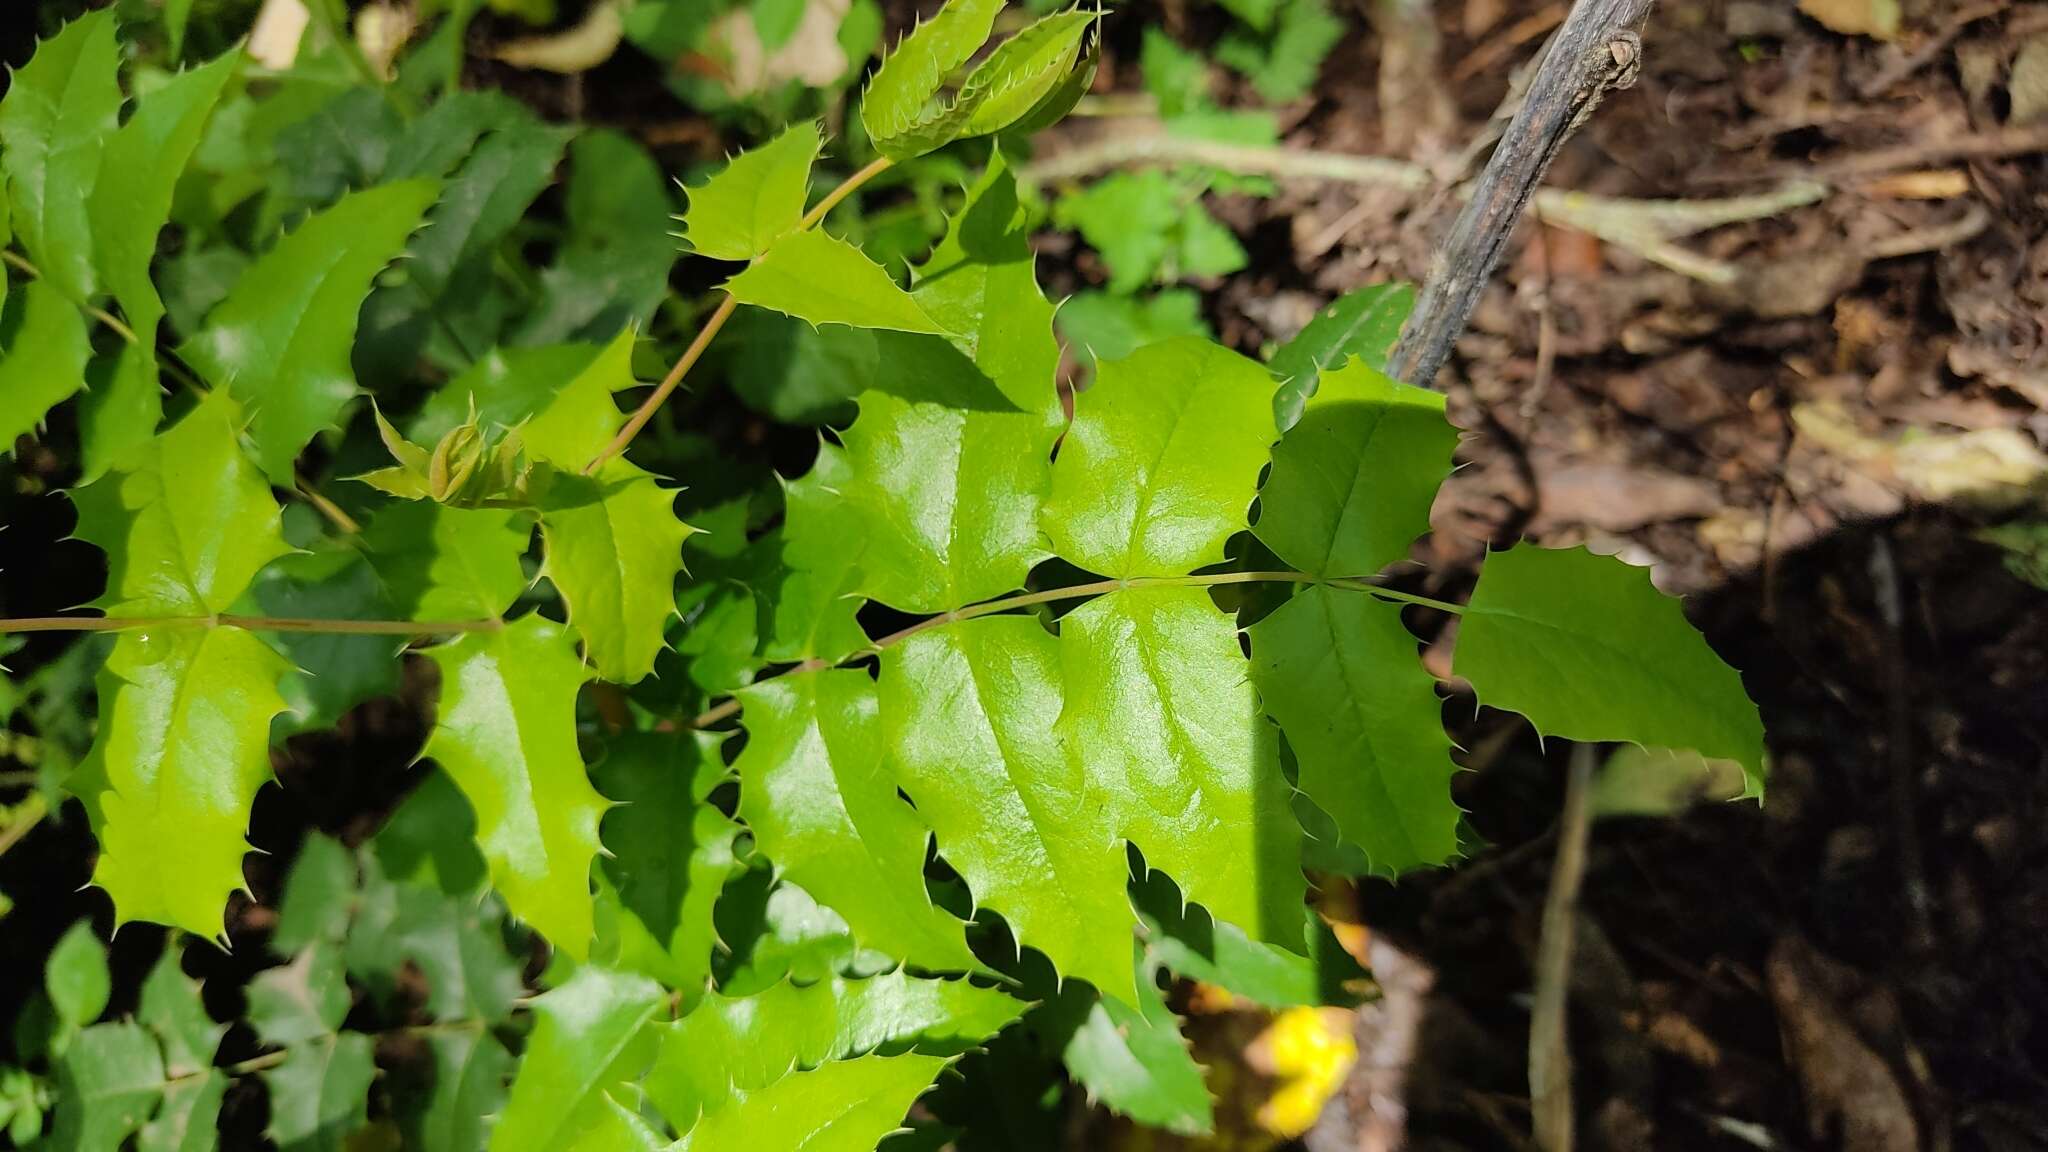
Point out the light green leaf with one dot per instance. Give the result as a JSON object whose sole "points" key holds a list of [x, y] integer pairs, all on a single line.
{"points": [[846, 1106], [980, 283], [319, 896], [1148, 225], [1352, 482], [1100, 326], [1339, 672], [471, 1070], [300, 1001], [613, 550], [583, 1029], [441, 563], [59, 111], [756, 198], [107, 1084], [75, 976], [1363, 323], [1024, 69], [319, 1096], [506, 733], [1638, 781], [46, 348], [1587, 649], [729, 1048], [971, 712], [172, 1010], [815, 792], [1161, 717], [609, 1126], [519, 387], [189, 522], [332, 673], [1177, 77], [1133, 1059], [897, 108], [281, 339], [184, 739], [1284, 64], [1186, 940], [776, 932], [122, 405], [815, 605], [189, 1118], [825, 280], [1162, 461]]}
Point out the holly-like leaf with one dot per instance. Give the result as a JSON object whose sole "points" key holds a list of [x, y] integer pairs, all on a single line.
{"points": [[46, 347], [188, 1120], [1352, 482], [897, 108], [609, 1126], [520, 387], [431, 840], [75, 976], [1162, 461], [59, 111], [1588, 649], [505, 731], [971, 713], [614, 547], [1186, 940], [777, 932], [189, 522], [122, 405], [470, 1073], [1022, 71], [1339, 672], [611, 270], [1101, 326], [172, 1010], [510, 166], [845, 1106], [319, 897], [583, 1029], [184, 742], [980, 284], [815, 605], [319, 1096], [441, 563], [1160, 715], [281, 339], [108, 1083], [1363, 324], [815, 792], [755, 199], [300, 1001], [1132, 1059], [825, 280]]}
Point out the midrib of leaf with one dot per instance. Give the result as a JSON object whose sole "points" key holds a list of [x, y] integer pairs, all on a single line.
{"points": [[1362, 737], [1176, 733], [1184, 400], [1348, 494]]}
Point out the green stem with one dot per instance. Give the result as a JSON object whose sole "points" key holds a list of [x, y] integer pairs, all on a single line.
{"points": [[113, 322], [248, 624]]}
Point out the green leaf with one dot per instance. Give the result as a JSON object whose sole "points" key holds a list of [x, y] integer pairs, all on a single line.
{"points": [[300, 1001], [1160, 715], [1363, 323], [59, 111], [470, 1073], [75, 976], [44, 363], [1339, 672], [520, 387], [609, 1126], [755, 199], [614, 547], [122, 405], [172, 1010], [777, 932], [332, 672], [971, 712], [189, 522], [730, 1048], [815, 792], [1353, 481], [1099, 326], [669, 851], [189, 1118], [1191, 944], [897, 108], [430, 840], [319, 895], [1150, 225], [319, 1096], [107, 1085], [441, 563], [506, 733], [1283, 65], [456, 942], [184, 739], [1024, 69], [582, 1030], [281, 339], [1162, 461], [815, 605], [1133, 1060], [825, 280], [1587, 649], [1177, 78], [511, 165], [980, 283], [846, 1106], [611, 270]]}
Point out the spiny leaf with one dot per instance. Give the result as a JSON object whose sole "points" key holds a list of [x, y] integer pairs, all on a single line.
{"points": [[818, 798], [510, 166], [1132, 1059], [756, 198], [584, 1028], [1186, 940], [184, 740], [1160, 715], [1352, 482], [188, 1120], [815, 606], [1362, 323], [75, 976], [506, 732], [44, 359], [172, 1010], [1162, 461], [122, 405], [471, 1070], [189, 522], [825, 280], [1588, 649], [281, 339], [107, 1084], [332, 672], [614, 547], [1024, 70], [609, 1126], [441, 563], [521, 387], [897, 107], [300, 1001], [845, 1106], [1339, 672], [59, 111], [319, 897], [971, 712], [611, 270], [319, 1096]]}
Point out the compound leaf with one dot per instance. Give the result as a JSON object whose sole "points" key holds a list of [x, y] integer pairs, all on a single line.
{"points": [[506, 733], [755, 199], [825, 280], [817, 795], [897, 108], [613, 549], [44, 359], [815, 605], [471, 1070], [844, 1106], [583, 1029], [59, 111], [300, 1001], [188, 1120], [171, 1008], [1588, 649]]}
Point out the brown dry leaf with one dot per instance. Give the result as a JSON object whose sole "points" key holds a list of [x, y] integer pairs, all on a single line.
{"points": [[1877, 19], [280, 24], [2028, 86], [1935, 184], [1984, 467], [812, 53], [579, 49], [1848, 1088], [1620, 497]]}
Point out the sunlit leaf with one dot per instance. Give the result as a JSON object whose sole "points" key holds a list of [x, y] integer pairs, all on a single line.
{"points": [[756, 198], [897, 107], [844, 1106], [58, 113], [583, 1028], [75, 976], [825, 280], [43, 361], [613, 549]]}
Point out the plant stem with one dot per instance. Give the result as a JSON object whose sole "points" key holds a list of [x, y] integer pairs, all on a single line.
{"points": [[719, 316], [248, 624], [326, 507], [30, 813], [113, 322]]}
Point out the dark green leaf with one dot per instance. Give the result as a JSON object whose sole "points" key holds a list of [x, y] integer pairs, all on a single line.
{"points": [[319, 1095]]}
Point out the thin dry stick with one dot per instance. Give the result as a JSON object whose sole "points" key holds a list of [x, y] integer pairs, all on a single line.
{"points": [[1550, 1061]]}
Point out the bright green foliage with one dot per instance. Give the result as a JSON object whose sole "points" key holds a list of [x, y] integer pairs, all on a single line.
{"points": [[76, 977], [1150, 225], [755, 199], [1363, 323], [1101, 326], [506, 732], [847, 1106], [583, 1037], [300, 1001], [1162, 461], [1024, 70], [59, 111], [972, 711], [899, 107], [281, 339], [1133, 1059], [1283, 61], [1588, 649], [816, 793], [331, 673], [470, 1074], [814, 612], [825, 280], [1161, 717], [1182, 938], [614, 547], [442, 563], [44, 359], [171, 1009], [1353, 480], [1340, 674]]}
